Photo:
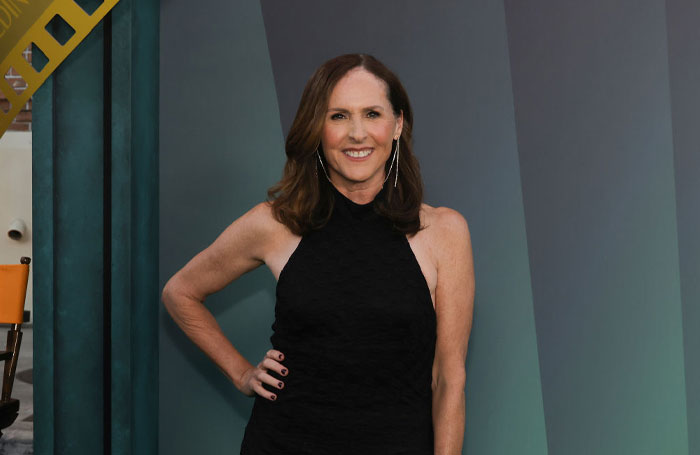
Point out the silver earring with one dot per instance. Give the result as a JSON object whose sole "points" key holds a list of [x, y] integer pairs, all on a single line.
{"points": [[396, 158], [322, 166]]}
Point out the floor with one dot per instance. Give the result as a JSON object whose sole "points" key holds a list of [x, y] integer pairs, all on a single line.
{"points": [[18, 438]]}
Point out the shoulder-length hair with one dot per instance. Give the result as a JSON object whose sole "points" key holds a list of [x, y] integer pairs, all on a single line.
{"points": [[302, 199]]}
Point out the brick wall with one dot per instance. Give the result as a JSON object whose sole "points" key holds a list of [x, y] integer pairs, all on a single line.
{"points": [[23, 121]]}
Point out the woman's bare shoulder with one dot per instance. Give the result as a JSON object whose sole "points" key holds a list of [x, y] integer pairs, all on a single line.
{"points": [[250, 235], [442, 216], [445, 225], [263, 217]]}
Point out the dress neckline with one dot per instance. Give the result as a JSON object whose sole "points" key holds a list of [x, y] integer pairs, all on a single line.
{"points": [[349, 207]]}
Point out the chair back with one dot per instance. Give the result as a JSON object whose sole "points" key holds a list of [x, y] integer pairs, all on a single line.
{"points": [[13, 291]]}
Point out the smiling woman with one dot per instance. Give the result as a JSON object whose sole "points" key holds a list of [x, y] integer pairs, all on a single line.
{"points": [[357, 133], [352, 103], [374, 292]]}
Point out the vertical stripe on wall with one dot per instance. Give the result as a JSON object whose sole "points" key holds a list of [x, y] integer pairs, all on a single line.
{"points": [[682, 19], [43, 268], [591, 93], [221, 148], [69, 257], [95, 211], [134, 239]]}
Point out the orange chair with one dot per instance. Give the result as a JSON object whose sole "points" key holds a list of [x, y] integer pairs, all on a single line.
{"points": [[13, 291]]}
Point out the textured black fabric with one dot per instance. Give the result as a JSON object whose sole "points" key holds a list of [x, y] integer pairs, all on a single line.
{"points": [[355, 320]]}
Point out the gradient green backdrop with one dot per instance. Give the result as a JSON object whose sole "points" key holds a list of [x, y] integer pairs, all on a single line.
{"points": [[564, 131]]}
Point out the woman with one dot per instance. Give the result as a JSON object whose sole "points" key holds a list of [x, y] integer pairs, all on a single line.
{"points": [[375, 288]]}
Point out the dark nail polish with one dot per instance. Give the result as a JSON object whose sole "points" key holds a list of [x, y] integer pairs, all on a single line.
{"points": [[284, 371], [280, 356], [280, 384], [274, 397]]}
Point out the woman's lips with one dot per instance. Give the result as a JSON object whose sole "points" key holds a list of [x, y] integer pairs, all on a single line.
{"points": [[360, 152]]}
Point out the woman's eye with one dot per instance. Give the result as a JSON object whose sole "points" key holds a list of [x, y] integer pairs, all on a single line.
{"points": [[372, 114]]}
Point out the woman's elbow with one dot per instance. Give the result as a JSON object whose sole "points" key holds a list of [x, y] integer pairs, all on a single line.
{"points": [[169, 291]]}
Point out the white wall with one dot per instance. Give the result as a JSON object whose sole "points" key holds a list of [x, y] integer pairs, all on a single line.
{"points": [[16, 200]]}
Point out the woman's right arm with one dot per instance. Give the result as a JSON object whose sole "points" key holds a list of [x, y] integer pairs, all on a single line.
{"points": [[239, 249]]}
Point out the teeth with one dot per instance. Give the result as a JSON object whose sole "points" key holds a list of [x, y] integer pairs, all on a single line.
{"points": [[358, 153]]}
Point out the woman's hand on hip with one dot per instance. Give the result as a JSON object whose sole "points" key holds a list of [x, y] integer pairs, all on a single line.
{"points": [[253, 378]]}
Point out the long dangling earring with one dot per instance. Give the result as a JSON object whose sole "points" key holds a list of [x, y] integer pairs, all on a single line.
{"points": [[322, 166], [396, 179], [395, 158]]}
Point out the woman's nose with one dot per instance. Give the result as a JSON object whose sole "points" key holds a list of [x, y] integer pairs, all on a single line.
{"points": [[357, 130]]}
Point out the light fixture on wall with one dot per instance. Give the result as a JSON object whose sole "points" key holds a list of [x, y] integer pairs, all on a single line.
{"points": [[16, 229]]}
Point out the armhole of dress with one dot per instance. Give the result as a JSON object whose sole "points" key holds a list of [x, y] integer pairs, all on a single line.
{"points": [[416, 266], [289, 261]]}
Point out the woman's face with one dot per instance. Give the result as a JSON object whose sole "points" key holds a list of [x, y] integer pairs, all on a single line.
{"points": [[359, 119]]}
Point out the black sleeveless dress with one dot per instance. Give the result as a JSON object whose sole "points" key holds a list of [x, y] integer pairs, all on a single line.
{"points": [[355, 321]]}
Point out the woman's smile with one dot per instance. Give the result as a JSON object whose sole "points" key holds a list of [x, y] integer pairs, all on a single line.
{"points": [[358, 154]]}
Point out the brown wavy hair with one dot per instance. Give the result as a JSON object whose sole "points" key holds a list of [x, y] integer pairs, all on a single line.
{"points": [[302, 200]]}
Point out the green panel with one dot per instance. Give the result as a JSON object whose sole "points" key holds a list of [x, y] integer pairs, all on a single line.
{"points": [[135, 294], [78, 250], [43, 265], [67, 212], [121, 195], [72, 415], [145, 213]]}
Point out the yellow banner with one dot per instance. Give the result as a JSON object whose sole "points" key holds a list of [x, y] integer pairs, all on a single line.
{"points": [[24, 22]]}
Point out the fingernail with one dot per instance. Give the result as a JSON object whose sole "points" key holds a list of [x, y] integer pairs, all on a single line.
{"points": [[274, 397], [280, 384], [280, 356], [284, 371]]}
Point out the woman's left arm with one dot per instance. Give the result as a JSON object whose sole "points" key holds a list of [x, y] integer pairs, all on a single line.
{"points": [[454, 305]]}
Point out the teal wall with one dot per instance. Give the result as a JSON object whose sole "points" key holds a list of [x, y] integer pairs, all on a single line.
{"points": [[95, 211]]}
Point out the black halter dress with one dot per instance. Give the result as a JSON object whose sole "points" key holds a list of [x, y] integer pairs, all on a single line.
{"points": [[355, 321]]}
